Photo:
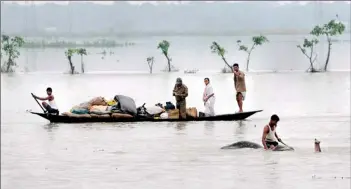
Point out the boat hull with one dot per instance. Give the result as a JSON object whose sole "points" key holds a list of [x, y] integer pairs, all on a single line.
{"points": [[67, 119]]}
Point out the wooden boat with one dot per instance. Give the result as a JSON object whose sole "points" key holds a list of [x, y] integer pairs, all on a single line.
{"points": [[67, 119]]}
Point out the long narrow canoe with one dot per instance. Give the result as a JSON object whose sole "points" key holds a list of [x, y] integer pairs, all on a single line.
{"points": [[67, 119]]}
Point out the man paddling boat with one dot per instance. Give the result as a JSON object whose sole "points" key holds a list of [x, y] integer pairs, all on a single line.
{"points": [[180, 92], [209, 98], [240, 86], [51, 107], [270, 137]]}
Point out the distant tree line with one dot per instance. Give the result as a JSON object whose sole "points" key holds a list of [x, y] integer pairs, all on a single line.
{"points": [[10, 46], [68, 44]]}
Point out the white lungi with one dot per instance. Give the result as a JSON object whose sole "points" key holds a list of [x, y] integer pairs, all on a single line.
{"points": [[209, 105]]}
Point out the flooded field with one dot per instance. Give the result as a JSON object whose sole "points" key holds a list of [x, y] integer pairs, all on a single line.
{"points": [[190, 52], [39, 155]]}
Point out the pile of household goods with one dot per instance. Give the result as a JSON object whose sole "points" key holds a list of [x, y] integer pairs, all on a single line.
{"points": [[164, 112], [120, 107], [124, 107]]}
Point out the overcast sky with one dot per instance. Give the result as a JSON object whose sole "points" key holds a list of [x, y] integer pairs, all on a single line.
{"points": [[152, 2]]}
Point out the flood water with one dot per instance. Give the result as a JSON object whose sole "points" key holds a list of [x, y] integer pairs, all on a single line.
{"points": [[39, 155], [190, 52]]}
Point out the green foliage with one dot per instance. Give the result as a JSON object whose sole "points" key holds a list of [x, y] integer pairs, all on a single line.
{"points": [[332, 28], [257, 41], [241, 47], [309, 45], [1, 51], [81, 51], [71, 51], [164, 46], [10, 46], [216, 48]]}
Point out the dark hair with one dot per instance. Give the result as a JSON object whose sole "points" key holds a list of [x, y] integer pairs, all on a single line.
{"points": [[49, 89], [235, 64], [274, 117], [206, 78]]}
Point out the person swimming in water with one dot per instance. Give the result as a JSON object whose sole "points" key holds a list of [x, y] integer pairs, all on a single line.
{"points": [[270, 137]]}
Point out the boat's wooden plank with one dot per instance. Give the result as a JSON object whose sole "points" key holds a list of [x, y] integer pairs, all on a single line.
{"points": [[66, 119]]}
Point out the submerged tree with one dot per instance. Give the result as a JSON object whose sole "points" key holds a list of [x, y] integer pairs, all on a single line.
{"points": [[150, 62], [330, 29], [10, 45], [69, 53], [1, 53], [311, 55], [257, 40], [216, 48], [1, 50], [164, 46], [81, 52]]}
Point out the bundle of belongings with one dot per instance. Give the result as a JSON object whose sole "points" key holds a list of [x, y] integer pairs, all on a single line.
{"points": [[119, 107], [150, 111], [174, 114], [124, 107], [170, 112]]}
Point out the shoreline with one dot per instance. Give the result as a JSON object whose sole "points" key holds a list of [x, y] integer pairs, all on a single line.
{"points": [[172, 73], [168, 33]]}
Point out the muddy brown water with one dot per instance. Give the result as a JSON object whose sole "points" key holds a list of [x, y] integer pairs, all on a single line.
{"points": [[39, 155]]}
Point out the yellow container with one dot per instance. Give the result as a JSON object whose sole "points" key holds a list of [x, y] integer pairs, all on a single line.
{"points": [[111, 102]]}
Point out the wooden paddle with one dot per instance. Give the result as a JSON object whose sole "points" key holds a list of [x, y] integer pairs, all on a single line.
{"points": [[38, 103], [285, 144]]}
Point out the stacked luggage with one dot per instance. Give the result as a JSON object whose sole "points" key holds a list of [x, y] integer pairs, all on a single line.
{"points": [[122, 107]]}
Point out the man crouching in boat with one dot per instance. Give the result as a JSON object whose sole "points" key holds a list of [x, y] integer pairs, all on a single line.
{"points": [[269, 136], [51, 107], [180, 92], [209, 98]]}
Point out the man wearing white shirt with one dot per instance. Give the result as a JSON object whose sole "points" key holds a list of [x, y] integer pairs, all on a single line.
{"points": [[209, 98]]}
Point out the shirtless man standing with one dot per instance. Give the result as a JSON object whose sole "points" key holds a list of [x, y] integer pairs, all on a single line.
{"points": [[240, 86]]}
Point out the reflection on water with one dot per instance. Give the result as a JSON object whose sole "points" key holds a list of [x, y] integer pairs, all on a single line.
{"points": [[38, 155], [241, 129], [50, 127], [180, 125], [209, 127]]}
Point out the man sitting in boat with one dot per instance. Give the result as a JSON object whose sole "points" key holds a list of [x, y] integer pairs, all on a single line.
{"points": [[269, 137], [51, 107], [180, 92], [209, 98]]}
